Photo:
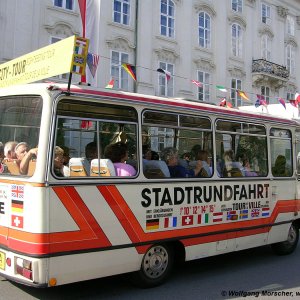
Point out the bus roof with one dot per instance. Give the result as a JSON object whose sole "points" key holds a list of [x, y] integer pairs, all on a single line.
{"points": [[178, 103]]}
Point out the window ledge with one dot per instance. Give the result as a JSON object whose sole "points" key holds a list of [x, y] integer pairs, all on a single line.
{"points": [[119, 25], [63, 10]]}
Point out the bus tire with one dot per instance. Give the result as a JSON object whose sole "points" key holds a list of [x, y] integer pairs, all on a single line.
{"points": [[288, 246], [156, 266]]}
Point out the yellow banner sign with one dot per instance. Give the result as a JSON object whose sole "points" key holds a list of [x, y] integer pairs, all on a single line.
{"points": [[52, 60]]}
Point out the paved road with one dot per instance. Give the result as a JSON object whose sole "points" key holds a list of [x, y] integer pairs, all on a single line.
{"points": [[212, 278]]}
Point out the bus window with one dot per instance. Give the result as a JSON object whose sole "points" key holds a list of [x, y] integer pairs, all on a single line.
{"points": [[281, 152], [189, 138], [86, 129], [241, 149], [19, 126]]}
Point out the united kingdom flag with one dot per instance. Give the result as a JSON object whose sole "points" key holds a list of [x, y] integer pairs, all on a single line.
{"points": [[255, 213], [17, 191]]}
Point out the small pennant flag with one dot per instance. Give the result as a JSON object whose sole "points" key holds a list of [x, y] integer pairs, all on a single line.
{"points": [[224, 103], [260, 101], [244, 214], [130, 70], [217, 217], [294, 103], [282, 102], [92, 62], [167, 73], [203, 218], [243, 95], [297, 97], [197, 83], [265, 212], [221, 88], [232, 215], [111, 83]]}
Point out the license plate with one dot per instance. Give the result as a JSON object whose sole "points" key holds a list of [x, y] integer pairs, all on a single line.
{"points": [[2, 260]]}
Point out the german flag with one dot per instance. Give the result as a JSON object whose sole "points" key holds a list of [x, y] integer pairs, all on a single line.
{"points": [[17, 206], [152, 224]]}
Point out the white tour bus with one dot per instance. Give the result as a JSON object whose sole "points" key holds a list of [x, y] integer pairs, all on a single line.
{"points": [[98, 182]]}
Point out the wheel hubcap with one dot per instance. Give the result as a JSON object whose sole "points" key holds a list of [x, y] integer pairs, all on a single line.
{"points": [[292, 235], [155, 262]]}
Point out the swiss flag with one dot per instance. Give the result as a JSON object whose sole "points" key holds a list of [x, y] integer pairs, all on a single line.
{"points": [[17, 221], [187, 220]]}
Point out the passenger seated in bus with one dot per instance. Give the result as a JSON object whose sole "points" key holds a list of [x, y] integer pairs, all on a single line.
{"points": [[25, 156], [170, 156], [279, 168], [59, 161], [90, 154], [9, 150], [118, 154], [203, 156], [3, 167], [247, 171], [232, 168]]}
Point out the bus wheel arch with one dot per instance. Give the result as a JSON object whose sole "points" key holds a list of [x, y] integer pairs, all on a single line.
{"points": [[288, 246]]}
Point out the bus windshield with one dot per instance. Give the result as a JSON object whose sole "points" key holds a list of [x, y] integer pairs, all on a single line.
{"points": [[19, 126]]}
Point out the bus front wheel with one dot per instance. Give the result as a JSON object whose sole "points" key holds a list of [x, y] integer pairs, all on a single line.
{"points": [[156, 266], [288, 246]]}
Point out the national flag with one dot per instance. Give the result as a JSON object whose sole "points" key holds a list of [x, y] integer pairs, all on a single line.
{"points": [[255, 212], [217, 217], [197, 83], [92, 62], [130, 70], [232, 215], [221, 88], [297, 97], [225, 103], [265, 211], [294, 103], [17, 221], [170, 222], [244, 214], [90, 16], [282, 102], [17, 191], [243, 95], [86, 124], [187, 220], [152, 224], [203, 218], [167, 73], [111, 83], [17, 206]]}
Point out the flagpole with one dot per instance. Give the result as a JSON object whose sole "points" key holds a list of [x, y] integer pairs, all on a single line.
{"points": [[69, 82]]}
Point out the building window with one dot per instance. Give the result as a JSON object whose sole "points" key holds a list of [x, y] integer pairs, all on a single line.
{"points": [[266, 47], [237, 5], [204, 30], [118, 73], [265, 91], [265, 13], [166, 86], [290, 59], [66, 4], [236, 84], [290, 96], [237, 40], [290, 25], [121, 11], [203, 92], [52, 41], [167, 18]]}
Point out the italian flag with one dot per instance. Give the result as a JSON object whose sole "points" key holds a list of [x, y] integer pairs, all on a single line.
{"points": [[203, 218]]}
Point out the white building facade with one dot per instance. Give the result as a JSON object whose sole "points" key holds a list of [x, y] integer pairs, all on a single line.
{"points": [[245, 45]]}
